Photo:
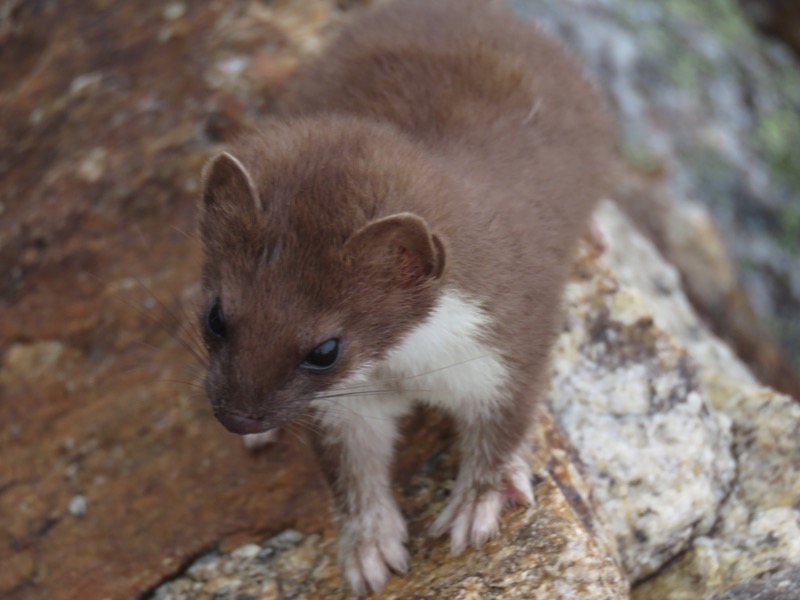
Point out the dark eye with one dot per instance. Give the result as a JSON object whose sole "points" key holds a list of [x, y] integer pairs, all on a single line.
{"points": [[215, 320], [323, 356]]}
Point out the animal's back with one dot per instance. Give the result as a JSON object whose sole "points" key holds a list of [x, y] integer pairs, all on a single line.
{"points": [[502, 106], [458, 74]]}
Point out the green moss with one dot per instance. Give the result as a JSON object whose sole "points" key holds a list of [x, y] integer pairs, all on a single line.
{"points": [[712, 170], [721, 18], [771, 136], [776, 134]]}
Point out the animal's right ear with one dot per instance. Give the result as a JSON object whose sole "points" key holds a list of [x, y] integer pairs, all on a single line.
{"points": [[227, 184]]}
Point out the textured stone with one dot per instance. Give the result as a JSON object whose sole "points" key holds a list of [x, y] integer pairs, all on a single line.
{"points": [[758, 531], [782, 585], [33, 360], [630, 399], [757, 521]]}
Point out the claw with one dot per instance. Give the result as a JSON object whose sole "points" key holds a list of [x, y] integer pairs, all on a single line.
{"points": [[371, 550], [517, 487], [473, 516]]}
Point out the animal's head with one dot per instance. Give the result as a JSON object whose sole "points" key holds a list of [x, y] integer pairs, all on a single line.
{"points": [[306, 278]]}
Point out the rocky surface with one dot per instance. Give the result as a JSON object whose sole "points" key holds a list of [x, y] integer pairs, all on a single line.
{"points": [[709, 112], [660, 460], [778, 18], [556, 550], [781, 585], [632, 401], [756, 525]]}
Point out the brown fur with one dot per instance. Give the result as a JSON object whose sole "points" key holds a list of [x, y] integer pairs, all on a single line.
{"points": [[491, 146]]}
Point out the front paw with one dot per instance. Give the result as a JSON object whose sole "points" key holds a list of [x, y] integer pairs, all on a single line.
{"points": [[473, 513], [371, 547]]}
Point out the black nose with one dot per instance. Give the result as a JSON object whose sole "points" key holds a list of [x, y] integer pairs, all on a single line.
{"points": [[239, 424]]}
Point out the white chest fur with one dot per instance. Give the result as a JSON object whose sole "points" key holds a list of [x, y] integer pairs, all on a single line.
{"points": [[445, 362]]}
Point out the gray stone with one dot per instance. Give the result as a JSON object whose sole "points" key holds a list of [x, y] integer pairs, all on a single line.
{"points": [[756, 526], [630, 399], [77, 506], [783, 585]]}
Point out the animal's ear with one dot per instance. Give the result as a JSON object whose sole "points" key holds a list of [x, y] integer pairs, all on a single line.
{"points": [[227, 184], [401, 247]]}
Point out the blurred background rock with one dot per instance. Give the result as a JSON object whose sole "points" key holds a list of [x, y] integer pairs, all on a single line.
{"points": [[710, 118]]}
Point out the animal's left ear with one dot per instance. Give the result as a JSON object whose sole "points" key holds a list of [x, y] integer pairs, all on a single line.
{"points": [[402, 247]]}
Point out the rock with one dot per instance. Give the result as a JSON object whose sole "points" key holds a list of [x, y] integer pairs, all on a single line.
{"points": [[783, 585], [708, 117], [661, 464], [758, 531], [77, 506], [756, 527], [32, 360], [631, 400]]}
